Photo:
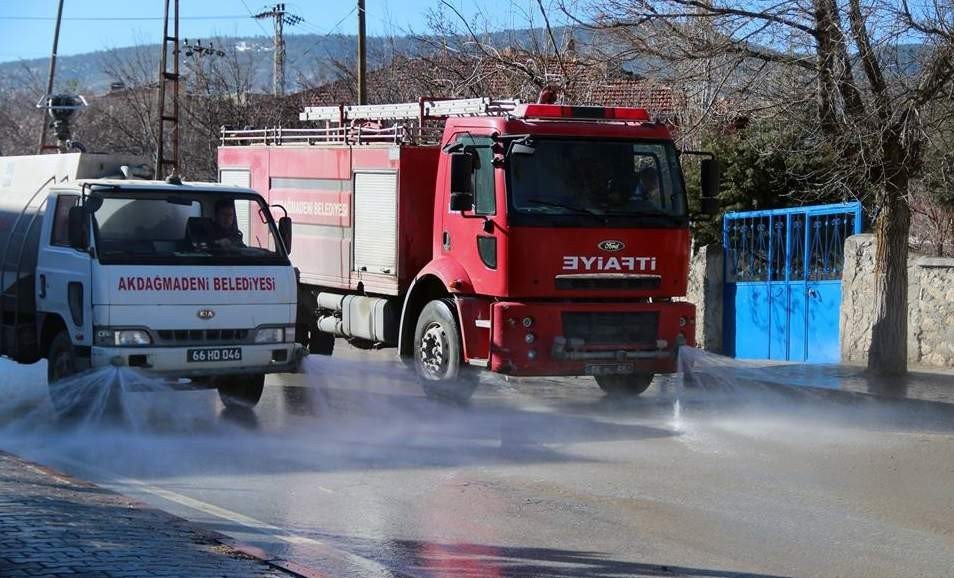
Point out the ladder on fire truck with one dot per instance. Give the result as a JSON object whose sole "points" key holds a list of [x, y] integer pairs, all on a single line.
{"points": [[401, 123], [424, 109]]}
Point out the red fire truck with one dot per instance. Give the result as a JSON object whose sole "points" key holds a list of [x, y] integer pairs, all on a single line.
{"points": [[527, 239]]}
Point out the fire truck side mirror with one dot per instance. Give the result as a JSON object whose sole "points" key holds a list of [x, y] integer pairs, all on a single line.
{"points": [[462, 171], [285, 232], [76, 228], [710, 178]]}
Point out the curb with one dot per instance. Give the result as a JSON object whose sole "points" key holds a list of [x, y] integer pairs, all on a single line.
{"points": [[230, 546]]}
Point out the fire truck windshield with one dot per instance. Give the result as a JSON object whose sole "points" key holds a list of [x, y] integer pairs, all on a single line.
{"points": [[574, 182], [154, 227]]}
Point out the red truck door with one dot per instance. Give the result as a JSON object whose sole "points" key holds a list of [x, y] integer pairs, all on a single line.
{"points": [[473, 238]]}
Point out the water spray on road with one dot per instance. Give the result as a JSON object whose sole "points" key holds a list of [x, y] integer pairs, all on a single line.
{"points": [[349, 451]]}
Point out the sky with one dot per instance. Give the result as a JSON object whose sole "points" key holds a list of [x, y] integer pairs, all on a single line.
{"points": [[26, 26]]}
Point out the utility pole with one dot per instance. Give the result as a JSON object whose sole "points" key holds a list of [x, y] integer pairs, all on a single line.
{"points": [[198, 53], [281, 18], [362, 57], [166, 116], [49, 84]]}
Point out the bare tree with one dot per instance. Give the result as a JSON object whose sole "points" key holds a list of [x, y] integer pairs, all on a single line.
{"points": [[123, 120], [844, 58], [20, 121], [217, 89]]}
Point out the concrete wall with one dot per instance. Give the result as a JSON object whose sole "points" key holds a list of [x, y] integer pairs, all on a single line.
{"points": [[930, 305], [706, 274]]}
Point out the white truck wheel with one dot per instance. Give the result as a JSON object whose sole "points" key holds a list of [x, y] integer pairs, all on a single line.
{"points": [[241, 391]]}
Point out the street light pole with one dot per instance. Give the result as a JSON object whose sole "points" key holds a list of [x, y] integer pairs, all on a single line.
{"points": [[49, 83]]}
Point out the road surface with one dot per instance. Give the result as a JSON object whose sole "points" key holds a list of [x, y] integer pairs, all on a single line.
{"points": [[349, 471]]}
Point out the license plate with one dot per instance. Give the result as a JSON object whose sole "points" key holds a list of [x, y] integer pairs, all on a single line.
{"points": [[217, 354], [609, 368]]}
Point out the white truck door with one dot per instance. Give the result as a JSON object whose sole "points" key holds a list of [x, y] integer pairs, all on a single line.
{"points": [[63, 274], [243, 209]]}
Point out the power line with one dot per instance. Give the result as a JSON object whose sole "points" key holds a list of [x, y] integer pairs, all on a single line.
{"points": [[343, 18], [252, 16], [119, 18]]}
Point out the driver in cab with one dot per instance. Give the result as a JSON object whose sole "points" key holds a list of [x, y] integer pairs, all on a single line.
{"points": [[647, 186], [223, 232]]}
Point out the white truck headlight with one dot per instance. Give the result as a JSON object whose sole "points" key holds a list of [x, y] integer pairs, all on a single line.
{"points": [[270, 335], [126, 337]]}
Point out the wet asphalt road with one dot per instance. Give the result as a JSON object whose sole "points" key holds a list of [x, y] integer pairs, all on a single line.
{"points": [[348, 470]]}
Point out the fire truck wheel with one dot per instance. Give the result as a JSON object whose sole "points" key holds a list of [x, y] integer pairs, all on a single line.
{"points": [[438, 354], [634, 384], [241, 391], [62, 363]]}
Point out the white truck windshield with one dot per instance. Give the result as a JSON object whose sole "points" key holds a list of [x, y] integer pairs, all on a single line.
{"points": [[146, 227]]}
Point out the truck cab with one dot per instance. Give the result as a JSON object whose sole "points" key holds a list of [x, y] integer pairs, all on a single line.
{"points": [[570, 232], [153, 275]]}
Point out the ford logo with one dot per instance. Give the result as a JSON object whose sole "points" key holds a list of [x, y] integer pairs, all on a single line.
{"points": [[612, 245], [205, 314]]}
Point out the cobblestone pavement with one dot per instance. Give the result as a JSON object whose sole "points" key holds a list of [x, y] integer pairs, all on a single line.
{"points": [[51, 525]]}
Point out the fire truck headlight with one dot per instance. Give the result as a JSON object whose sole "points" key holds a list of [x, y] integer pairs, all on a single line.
{"points": [[527, 321], [131, 337], [532, 354], [270, 335], [530, 338], [683, 321]]}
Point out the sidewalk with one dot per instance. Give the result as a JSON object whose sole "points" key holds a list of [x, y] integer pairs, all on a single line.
{"points": [[921, 383], [52, 525]]}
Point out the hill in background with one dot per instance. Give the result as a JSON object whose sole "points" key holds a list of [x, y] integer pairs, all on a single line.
{"points": [[311, 59]]}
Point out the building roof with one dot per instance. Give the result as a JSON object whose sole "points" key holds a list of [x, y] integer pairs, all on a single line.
{"points": [[511, 75]]}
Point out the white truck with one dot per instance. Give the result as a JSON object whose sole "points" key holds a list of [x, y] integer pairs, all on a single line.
{"points": [[100, 268]]}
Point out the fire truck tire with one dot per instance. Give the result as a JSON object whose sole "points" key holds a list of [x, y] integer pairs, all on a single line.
{"points": [[241, 391], [62, 363], [634, 384], [438, 354]]}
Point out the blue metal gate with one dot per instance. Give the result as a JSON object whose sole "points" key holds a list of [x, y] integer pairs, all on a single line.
{"points": [[783, 281]]}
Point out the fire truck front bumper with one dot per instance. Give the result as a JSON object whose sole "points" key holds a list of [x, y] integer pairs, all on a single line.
{"points": [[550, 339], [188, 362]]}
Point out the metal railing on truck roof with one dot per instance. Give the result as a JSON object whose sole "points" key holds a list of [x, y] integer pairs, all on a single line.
{"points": [[402, 123], [396, 134]]}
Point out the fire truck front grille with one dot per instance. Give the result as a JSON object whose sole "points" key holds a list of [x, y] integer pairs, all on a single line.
{"points": [[617, 282], [202, 336], [612, 328]]}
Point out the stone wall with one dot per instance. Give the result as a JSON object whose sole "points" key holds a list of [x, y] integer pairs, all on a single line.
{"points": [[930, 305], [857, 293], [705, 290], [934, 332]]}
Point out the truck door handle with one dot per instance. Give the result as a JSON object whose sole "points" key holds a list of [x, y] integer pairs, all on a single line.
{"points": [[445, 239], [42, 286]]}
